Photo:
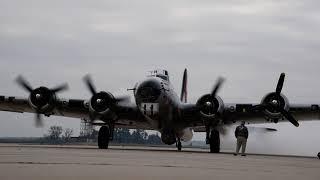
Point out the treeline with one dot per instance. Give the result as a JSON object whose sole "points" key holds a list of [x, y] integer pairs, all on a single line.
{"points": [[58, 135], [137, 136]]}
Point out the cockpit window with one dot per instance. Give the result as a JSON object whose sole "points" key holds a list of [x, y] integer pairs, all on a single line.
{"points": [[163, 77], [149, 91], [163, 74]]}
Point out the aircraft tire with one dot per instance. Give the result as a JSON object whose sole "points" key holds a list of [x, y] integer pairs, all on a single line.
{"points": [[214, 141], [179, 145], [319, 155], [103, 137]]}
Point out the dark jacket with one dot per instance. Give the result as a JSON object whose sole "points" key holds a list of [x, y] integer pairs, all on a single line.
{"points": [[242, 131]]}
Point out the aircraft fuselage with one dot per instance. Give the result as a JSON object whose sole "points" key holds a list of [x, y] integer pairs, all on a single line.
{"points": [[160, 105]]}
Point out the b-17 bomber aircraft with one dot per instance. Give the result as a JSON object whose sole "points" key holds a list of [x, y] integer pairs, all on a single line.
{"points": [[158, 107]]}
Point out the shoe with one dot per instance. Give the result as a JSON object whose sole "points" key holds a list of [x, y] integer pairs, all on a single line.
{"points": [[235, 154], [243, 155]]}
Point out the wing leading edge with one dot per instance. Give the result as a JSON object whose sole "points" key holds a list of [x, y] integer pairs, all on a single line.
{"points": [[126, 115]]}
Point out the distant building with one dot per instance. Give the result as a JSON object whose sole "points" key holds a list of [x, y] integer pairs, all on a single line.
{"points": [[87, 130]]}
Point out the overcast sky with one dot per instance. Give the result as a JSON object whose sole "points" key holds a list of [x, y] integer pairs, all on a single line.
{"points": [[248, 42]]}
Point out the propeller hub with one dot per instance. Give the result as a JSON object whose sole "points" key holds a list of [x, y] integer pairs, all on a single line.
{"points": [[99, 101], [41, 97], [275, 102], [38, 96], [208, 104], [102, 101]]}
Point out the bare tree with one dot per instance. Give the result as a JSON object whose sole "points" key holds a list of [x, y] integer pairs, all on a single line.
{"points": [[67, 134], [55, 132]]}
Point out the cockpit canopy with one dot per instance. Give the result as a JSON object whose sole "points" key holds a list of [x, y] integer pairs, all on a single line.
{"points": [[163, 74]]}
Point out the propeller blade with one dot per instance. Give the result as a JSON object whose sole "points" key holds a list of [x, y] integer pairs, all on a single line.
{"points": [[38, 120], [89, 83], [24, 83], [261, 129], [122, 99], [60, 88], [217, 87], [271, 129], [184, 92], [289, 117], [259, 107], [280, 83]]}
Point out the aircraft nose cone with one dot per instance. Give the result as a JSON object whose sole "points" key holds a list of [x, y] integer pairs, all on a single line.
{"points": [[148, 91]]}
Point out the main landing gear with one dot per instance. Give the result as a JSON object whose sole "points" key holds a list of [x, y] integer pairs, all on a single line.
{"points": [[104, 137], [179, 145], [213, 138]]}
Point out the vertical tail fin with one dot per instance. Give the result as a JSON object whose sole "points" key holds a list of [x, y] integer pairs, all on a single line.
{"points": [[184, 91]]}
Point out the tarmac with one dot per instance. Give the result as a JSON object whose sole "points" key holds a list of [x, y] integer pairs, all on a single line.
{"points": [[124, 162]]}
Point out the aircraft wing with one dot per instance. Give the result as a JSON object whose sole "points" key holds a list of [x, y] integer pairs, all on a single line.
{"points": [[210, 110], [247, 112], [124, 115]]}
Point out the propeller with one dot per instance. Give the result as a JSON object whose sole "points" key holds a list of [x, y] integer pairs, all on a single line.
{"points": [[209, 106], [209, 102], [101, 101], [280, 84], [39, 97], [24, 84], [229, 128], [274, 103], [60, 88], [217, 86], [87, 79]]}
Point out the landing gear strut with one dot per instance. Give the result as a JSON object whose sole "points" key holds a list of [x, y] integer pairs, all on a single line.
{"points": [[214, 141], [178, 144], [104, 137]]}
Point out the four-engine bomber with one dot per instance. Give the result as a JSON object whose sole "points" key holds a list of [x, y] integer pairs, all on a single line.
{"points": [[158, 107]]}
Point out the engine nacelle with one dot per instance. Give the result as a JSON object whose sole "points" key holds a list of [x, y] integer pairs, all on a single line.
{"points": [[210, 106], [101, 102], [274, 103], [42, 100]]}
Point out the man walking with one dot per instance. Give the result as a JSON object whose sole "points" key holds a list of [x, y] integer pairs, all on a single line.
{"points": [[241, 134]]}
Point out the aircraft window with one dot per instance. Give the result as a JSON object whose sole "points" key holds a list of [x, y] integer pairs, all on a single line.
{"points": [[163, 77], [149, 93]]}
